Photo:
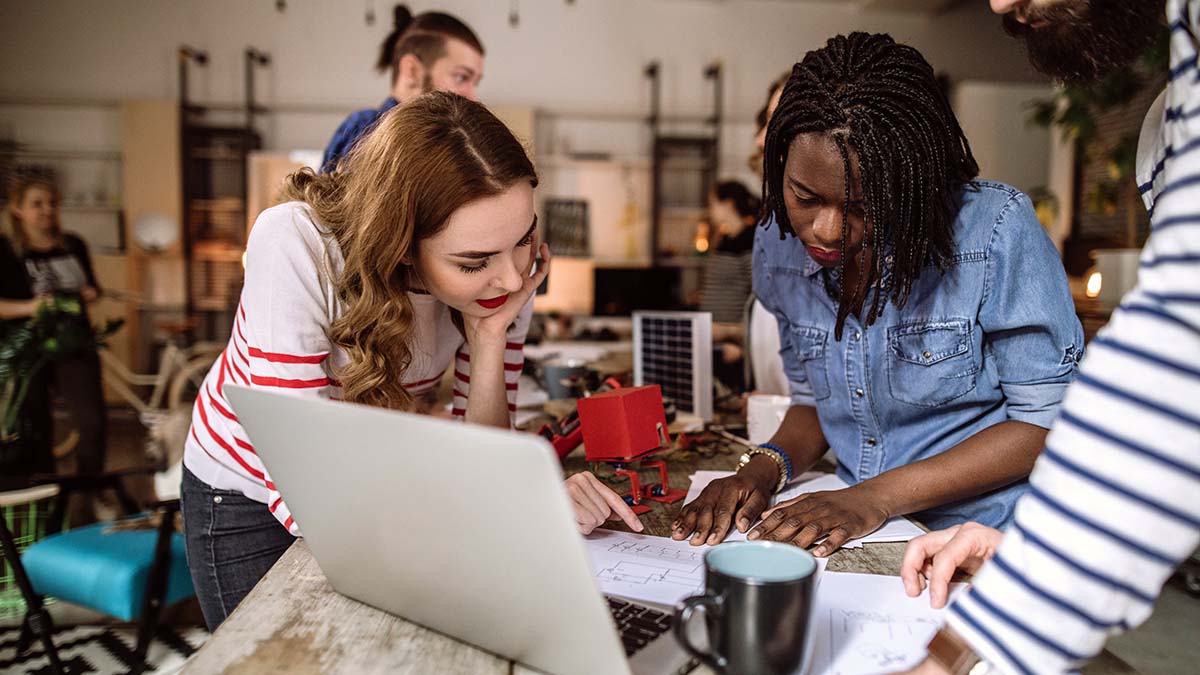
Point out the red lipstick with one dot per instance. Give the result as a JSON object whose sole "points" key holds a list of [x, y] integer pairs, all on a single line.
{"points": [[493, 303], [824, 257]]}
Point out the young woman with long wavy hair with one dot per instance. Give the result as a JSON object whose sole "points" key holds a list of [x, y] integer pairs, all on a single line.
{"points": [[418, 252]]}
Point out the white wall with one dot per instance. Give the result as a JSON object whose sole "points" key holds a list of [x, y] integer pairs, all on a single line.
{"points": [[994, 117], [584, 57], [579, 65], [1010, 149]]}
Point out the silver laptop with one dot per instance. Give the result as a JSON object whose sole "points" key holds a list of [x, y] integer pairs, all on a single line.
{"points": [[464, 529]]}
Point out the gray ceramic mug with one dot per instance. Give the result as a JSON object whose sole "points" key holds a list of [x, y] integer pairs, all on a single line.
{"points": [[757, 605]]}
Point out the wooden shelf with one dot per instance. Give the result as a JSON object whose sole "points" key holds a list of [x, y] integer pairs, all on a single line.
{"points": [[213, 305], [679, 261], [72, 208], [211, 154], [50, 153], [220, 253], [218, 204]]}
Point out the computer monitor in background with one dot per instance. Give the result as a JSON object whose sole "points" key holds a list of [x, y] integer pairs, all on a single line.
{"points": [[620, 291]]}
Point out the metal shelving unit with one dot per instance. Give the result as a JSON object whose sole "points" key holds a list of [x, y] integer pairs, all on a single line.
{"points": [[682, 169], [214, 173]]}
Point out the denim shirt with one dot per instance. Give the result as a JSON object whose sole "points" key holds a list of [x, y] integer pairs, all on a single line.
{"points": [[993, 338], [352, 129]]}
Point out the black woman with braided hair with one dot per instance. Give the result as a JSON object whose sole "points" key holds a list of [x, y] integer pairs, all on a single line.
{"points": [[926, 325]]}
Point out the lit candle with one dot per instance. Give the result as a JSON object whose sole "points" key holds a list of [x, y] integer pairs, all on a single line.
{"points": [[1093, 284]]}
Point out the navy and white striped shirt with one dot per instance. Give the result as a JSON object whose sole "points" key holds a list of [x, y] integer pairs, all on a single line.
{"points": [[1115, 498]]}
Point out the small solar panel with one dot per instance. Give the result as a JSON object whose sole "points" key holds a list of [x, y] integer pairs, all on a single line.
{"points": [[674, 351]]}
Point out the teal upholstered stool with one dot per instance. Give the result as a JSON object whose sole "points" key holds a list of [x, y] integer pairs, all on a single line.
{"points": [[130, 573], [105, 571]]}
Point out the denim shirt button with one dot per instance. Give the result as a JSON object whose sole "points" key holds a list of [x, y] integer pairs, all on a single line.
{"points": [[217, 499], [857, 336], [927, 355], [871, 442], [859, 393]]}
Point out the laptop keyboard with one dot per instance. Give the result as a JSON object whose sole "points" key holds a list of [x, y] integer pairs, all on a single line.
{"points": [[639, 625]]}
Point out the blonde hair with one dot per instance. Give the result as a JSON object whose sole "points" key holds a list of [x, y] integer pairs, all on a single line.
{"points": [[397, 187], [19, 184]]}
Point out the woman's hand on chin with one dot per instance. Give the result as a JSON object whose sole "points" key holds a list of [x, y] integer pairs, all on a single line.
{"points": [[495, 326], [596, 503]]}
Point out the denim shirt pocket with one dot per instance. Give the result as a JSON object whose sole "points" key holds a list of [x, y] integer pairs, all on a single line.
{"points": [[931, 363], [810, 348]]}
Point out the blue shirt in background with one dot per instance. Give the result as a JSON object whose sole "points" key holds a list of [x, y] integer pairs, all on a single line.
{"points": [[352, 129], [994, 338]]}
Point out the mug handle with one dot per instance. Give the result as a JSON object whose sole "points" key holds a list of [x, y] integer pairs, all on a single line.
{"points": [[683, 616]]}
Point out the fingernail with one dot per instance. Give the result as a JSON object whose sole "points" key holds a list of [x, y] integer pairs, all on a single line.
{"points": [[753, 535], [819, 552], [639, 527], [742, 525], [712, 539]]}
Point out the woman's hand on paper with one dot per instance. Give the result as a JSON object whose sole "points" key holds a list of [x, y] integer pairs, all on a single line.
{"points": [[596, 503], [736, 500], [932, 559], [838, 515]]}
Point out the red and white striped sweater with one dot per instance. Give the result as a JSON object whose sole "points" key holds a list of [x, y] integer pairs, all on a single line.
{"points": [[280, 341]]}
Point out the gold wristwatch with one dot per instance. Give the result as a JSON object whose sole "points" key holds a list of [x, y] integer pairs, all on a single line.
{"points": [[953, 653], [774, 455]]}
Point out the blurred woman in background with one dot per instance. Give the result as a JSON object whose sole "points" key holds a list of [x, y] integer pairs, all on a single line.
{"points": [[725, 286], [42, 261]]}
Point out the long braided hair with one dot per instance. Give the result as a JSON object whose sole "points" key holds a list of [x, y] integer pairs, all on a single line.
{"points": [[881, 101]]}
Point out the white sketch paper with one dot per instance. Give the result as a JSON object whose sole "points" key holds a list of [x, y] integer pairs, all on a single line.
{"points": [[864, 623], [645, 568]]}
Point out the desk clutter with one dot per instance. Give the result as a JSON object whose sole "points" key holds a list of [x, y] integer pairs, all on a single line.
{"points": [[860, 623]]}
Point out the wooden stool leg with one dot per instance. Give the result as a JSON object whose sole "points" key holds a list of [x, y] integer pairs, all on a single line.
{"points": [[25, 637], [36, 617], [156, 589]]}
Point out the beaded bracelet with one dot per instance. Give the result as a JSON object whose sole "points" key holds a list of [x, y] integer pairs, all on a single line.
{"points": [[787, 461]]}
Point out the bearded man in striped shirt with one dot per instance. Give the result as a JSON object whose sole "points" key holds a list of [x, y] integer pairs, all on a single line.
{"points": [[1113, 509]]}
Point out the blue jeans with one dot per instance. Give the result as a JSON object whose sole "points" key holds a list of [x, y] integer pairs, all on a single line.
{"points": [[231, 543]]}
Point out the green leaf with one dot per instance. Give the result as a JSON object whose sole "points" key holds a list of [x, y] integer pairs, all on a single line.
{"points": [[1042, 113]]}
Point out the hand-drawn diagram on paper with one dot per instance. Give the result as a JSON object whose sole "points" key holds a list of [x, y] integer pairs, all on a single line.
{"points": [[878, 639], [864, 623], [651, 569]]}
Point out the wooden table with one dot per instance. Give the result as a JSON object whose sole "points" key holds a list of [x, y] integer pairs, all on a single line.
{"points": [[294, 622]]}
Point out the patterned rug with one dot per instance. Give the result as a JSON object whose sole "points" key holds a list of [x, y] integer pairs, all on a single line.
{"points": [[103, 650]]}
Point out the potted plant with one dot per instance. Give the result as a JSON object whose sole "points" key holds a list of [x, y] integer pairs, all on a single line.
{"points": [[58, 329]]}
